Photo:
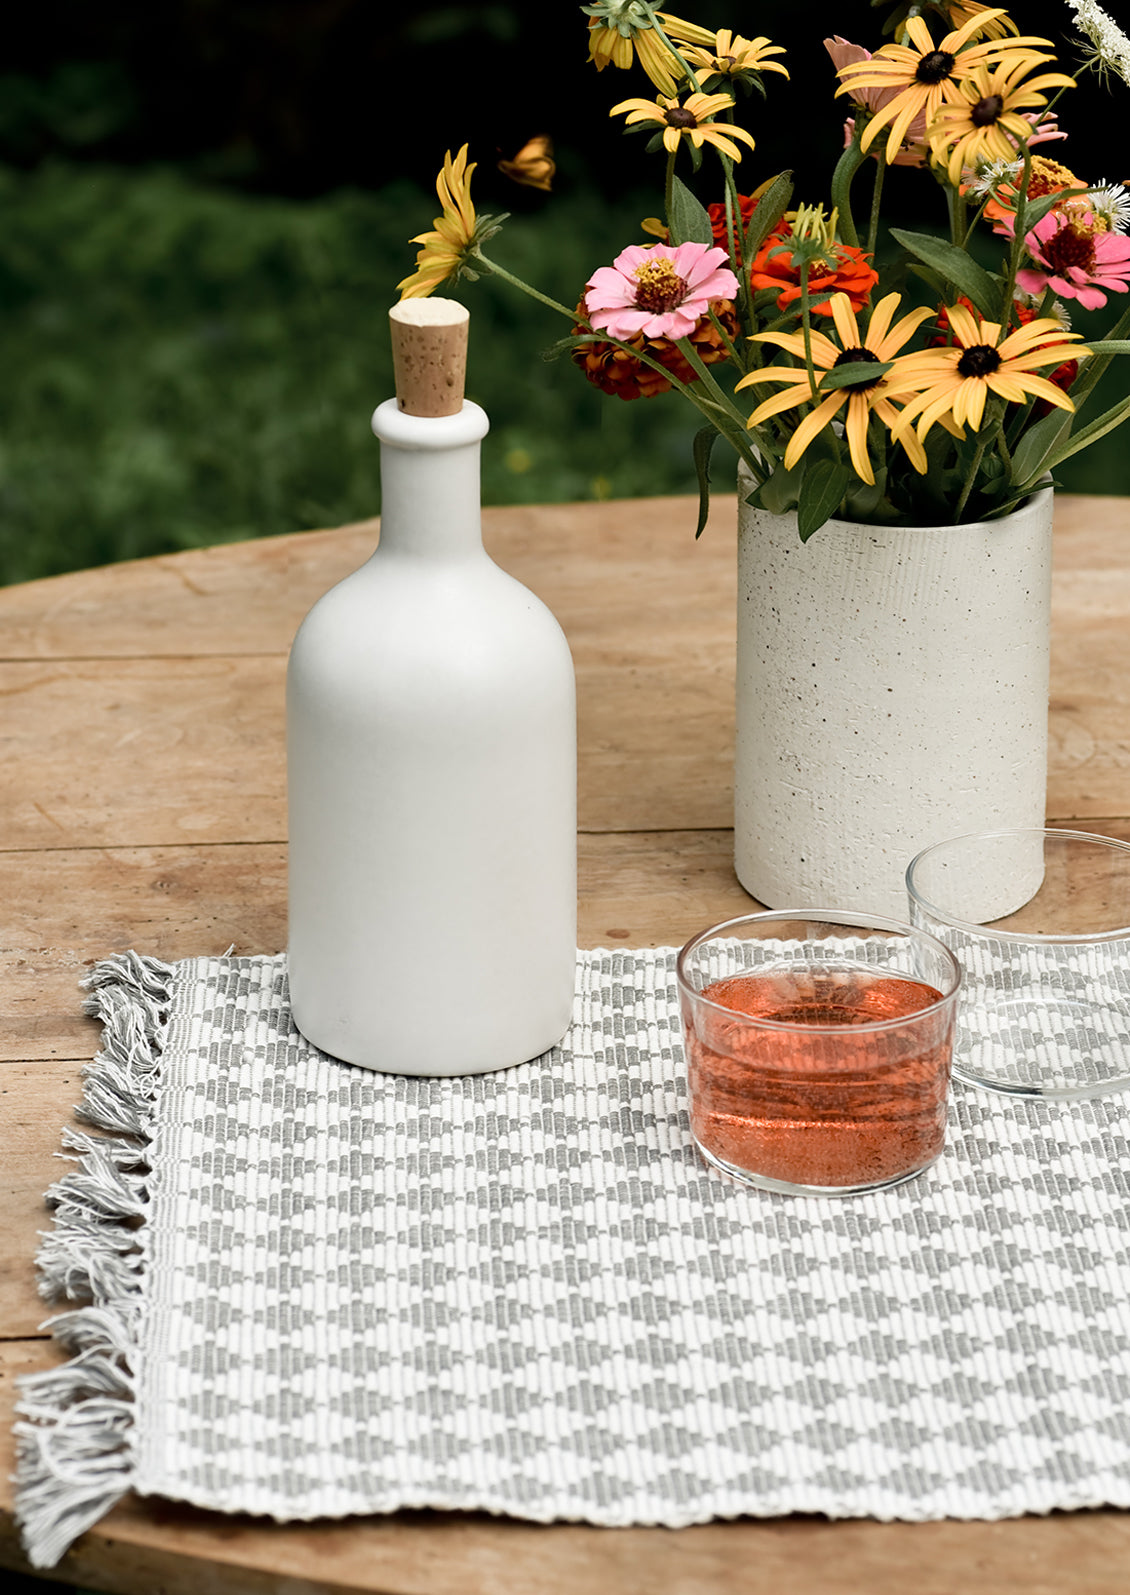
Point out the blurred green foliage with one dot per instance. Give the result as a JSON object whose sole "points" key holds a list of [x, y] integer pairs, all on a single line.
{"points": [[206, 209], [190, 365]]}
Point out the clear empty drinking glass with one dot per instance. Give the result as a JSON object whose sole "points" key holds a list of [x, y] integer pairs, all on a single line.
{"points": [[1040, 921], [818, 1049]]}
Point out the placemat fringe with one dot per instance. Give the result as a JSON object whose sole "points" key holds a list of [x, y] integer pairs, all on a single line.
{"points": [[75, 1455]]}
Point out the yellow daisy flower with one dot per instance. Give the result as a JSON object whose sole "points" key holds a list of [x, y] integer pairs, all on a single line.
{"points": [[923, 76], [456, 231], [863, 399], [622, 30], [729, 55], [977, 126], [690, 120], [954, 381]]}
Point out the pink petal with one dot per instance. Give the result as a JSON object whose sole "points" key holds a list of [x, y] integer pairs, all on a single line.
{"points": [[607, 287], [1090, 298], [671, 324], [845, 54], [695, 261], [636, 255], [1032, 282], [620, 322]]}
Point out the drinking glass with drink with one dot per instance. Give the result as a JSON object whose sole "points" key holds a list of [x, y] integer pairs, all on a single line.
{"points": [[818, 1049]]}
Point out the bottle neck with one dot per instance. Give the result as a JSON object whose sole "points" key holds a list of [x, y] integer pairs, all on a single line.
{"points": [[430, 492]]}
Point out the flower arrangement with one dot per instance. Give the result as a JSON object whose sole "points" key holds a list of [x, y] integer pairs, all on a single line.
{"points": [[859, 369]]}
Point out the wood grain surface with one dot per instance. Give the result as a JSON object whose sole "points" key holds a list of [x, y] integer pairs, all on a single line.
{"points": [[142, 804]]}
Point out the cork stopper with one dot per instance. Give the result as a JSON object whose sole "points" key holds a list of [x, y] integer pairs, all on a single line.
{"points": [[429, 355]]}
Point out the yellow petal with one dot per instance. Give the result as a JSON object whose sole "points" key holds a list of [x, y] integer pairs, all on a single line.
{"points": [[856, 432], [846, 325], [811, 425]]}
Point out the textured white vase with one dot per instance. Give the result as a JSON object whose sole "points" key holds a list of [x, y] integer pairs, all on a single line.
{"points": [[431, 730], [892, 692]]}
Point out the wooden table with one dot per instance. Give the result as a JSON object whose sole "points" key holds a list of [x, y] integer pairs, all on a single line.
{"points": [[142, 805]]}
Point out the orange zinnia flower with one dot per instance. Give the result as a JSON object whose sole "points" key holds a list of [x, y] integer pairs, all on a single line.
{"points": [[775, 267]]}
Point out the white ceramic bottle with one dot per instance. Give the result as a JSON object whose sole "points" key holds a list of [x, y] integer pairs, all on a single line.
{"points": [[431, 752]]}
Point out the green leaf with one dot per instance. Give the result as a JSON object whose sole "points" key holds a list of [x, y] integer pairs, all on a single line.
{"points": [[779, 493], [958, 268], [1099, 427], [1108, 346], [767, 213], [688, 221], [821, 493], [853, 371], [1036, 209], [1036, 445], [701, 449]]}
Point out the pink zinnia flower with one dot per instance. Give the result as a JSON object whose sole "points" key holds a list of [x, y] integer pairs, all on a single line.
{"points": [[658, 290], [1076, 258], [913, 150]]}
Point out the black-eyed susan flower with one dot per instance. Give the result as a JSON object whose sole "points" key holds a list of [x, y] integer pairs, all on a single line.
{"points": [[689, 119], [927, 76], [955, 381], [457, 232], [868, 396], [730, 57], [622, 31], [985, 122]]}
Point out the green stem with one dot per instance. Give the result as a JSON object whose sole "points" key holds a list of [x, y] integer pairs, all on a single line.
{"points": [[685, 69], [1024, 415], [734, 427], [733, 230], [846, 167], [669, 187], [1017, 239], [731, 423], [971, 479], [516, 282], [806, 328], [1002, 443], [731, 347], [876, 199]]}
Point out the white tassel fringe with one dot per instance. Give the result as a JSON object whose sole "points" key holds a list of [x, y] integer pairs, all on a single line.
{"points": [[75, 1434]]}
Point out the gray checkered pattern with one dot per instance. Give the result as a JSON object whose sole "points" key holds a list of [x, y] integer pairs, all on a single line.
{"points": [[526, 1292]]}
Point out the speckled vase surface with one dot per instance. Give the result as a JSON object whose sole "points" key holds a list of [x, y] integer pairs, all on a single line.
{"points": [[892, 691]]}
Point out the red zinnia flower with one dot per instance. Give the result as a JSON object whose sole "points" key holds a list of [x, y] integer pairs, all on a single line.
{"points": [[746, 207]]}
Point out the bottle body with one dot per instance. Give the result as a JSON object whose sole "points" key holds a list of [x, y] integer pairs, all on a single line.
{"points": [[431, 732]]}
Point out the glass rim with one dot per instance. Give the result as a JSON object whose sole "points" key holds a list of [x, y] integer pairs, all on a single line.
{"points": [[823, 916], [1083, 938]]}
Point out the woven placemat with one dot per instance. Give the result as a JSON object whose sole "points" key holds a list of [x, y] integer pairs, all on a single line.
{"points": [[525, 1291]]}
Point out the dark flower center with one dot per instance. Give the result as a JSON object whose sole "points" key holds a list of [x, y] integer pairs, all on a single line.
{"points": [[849, 357], [935, 67], [678, 116], [987, 111], [1071, 246], [660, 288], [979, 361]]}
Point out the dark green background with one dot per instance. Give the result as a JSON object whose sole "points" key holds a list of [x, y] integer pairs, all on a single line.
{"points": [[207, 206]]}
